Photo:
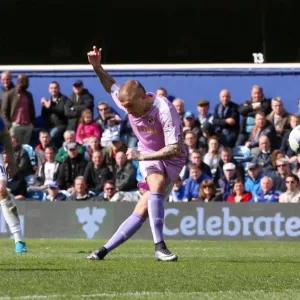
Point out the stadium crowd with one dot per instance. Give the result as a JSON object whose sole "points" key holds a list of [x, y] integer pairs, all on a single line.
{"points": [[238, 153]]}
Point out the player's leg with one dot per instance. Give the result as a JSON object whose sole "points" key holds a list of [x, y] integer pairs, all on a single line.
{"points": [[9, 211], [126, 230], [158, 187]]}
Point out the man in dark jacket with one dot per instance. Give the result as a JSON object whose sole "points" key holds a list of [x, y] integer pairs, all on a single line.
{"points": [[227, 119], [7, 84], [53, 112], [80, 100]]}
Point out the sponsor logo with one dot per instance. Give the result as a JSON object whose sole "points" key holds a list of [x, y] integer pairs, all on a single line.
{"points": [[226, 224], [91, 218]]}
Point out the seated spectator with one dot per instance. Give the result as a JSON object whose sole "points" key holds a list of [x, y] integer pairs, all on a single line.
{"points": [[204, 116], [212, 157], [296, 170], [53, 192], [208, 192], [271, 170], [191, 123], [86, 127], [263, 157], [45, 141], [179, 106], [285, 145], [207, 131], [195, 158], [22, 158], [104, 111], [124, 174], [93, 145], [227, 157], [112, 128], [53, 113], [292, 194], [161, 92], [81, 192], [190, 140], [177, 192], [266, 193], [248, 110], [279, 117], [111, 150], [239, 194], [62, 153], [261, 127], [127, 134], [109, 191], [193, 183], [225, 184], [97, 173], [252, 181], [283, 170], [227, 119], [48, 171], [72, 167], [80, 99]]}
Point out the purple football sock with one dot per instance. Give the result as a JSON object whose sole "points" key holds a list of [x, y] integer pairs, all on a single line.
{"points": [[126, 230], [156, 213]]}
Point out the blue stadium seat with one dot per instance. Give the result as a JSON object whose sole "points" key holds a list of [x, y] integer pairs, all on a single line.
{"points": [[241, 153], [36, 195], [30, 152]]}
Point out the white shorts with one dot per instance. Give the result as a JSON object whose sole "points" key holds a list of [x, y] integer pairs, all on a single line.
{"points": [[3, 175]]}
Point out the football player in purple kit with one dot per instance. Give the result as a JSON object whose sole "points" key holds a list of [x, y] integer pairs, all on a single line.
{"points": [[161, 154]]}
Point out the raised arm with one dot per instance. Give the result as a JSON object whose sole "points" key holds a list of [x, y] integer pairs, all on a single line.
{"points": [[94, 58]]}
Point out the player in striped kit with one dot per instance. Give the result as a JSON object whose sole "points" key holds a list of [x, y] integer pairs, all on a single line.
{"points": [[161, 154], [7, 202]]}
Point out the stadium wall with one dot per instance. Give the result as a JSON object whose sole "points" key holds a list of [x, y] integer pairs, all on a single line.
{"points": [[189, 82], [183, 221]]}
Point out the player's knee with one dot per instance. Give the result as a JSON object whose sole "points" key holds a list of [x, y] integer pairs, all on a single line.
{"points": [[156, 182], [3, 191]]}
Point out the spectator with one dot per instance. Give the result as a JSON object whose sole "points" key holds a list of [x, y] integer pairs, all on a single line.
{"points": [[86, 128], [18, 111], [261, 127], [97, 173], [7, 84], [285, 145], [45, 141], [283, 170], [252, 181], [124, 173], [193, 183], [161, 92], [292, 194], [227, 119], [104, 111], [248, 111], [53, 113], [271, 171], [62, 153], [22, 158], [111, 151], [266, 193], [190, 140], [191, 123], [212, 157], [279, 117], [179, 106], [112, 128], [296, 169], [81, 99], [208, 192], [81, 192], [239, 194], [109, 191], [177, 193], [93, 145], [225, 184], [263, 157], [53, 192], [72, 167], [204, 116]]}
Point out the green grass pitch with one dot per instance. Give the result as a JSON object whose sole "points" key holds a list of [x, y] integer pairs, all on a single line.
{"points": [[58, 269]]}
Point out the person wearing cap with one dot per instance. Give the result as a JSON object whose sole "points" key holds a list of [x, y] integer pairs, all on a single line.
{"points": [[53, 113], [53, 191], [227, 119], [252, 180], [204, 116], [225, 184], [267, 192], [80, 99], [191, 123], [72, 167]]}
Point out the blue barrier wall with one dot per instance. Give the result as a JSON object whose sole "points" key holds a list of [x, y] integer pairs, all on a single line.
{"points": [[190, 85]]}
